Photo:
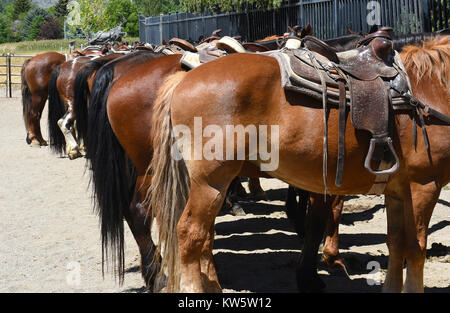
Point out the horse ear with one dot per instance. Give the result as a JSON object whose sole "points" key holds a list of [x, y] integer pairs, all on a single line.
{"points": [[373, 29], [350, 31], [164, 42], [308, 29], [290, 29]]}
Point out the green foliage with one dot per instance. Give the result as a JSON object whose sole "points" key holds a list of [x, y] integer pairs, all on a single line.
{"points": [[116, 10], [61, 8], [4, 29], [32, 22], [20, 6], [228, 5], [35, 27], [154, 8], [88, 15], [3, 4]]}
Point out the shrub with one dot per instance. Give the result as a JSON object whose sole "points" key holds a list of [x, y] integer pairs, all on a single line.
{"points": [[51, 29]]}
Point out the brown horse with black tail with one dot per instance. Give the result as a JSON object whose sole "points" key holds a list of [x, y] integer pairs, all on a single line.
{"points": [[35, 74], [115, 179], [61, 115]]}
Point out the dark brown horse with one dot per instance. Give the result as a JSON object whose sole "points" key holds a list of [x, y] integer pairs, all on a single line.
{"points": [[221, 93], [61, 115], [36, 73]]}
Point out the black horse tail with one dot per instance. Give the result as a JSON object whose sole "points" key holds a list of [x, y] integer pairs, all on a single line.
{"points": [[296, 211], [82, 94], [56, 110], [113, 176], [26, 97]]}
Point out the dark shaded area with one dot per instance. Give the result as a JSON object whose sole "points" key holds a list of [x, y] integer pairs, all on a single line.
{"points": [[367, 215]]}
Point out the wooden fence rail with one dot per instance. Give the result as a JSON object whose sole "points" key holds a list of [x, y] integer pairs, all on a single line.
{"points": [[7, 62]]}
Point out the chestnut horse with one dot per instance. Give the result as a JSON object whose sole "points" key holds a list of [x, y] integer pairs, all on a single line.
{"points": [[430, 61], [186, 195], [36, 73]]}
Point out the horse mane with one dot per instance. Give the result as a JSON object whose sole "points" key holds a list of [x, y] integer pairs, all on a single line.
{"points": [[430, 59]]}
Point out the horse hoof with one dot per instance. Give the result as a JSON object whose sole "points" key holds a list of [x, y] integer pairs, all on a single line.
{"points": [[43, 143], [28, 140], [310, 283], [336, 265], [74, 155]]}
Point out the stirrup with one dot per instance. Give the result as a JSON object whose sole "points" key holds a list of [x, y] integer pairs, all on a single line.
{"points": [[385, 141]]}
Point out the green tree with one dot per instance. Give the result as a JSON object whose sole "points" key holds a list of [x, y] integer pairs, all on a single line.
{"points": [[20, 6], [154, 8], [228, 5], [35, 27], [88, 15], [31, 23], [61, 8], [117, 10], [4, 29]]}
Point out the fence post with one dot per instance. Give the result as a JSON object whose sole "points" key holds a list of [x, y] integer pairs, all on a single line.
{"points": [[160, 29], [302, 14], [8, 58], [336, 18], [426, 16]]}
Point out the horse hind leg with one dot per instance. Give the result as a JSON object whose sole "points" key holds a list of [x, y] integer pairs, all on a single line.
{"points": [[34, 135], [331, 255], [196, 228], [139, 224], [308, 279], [66, 125]]}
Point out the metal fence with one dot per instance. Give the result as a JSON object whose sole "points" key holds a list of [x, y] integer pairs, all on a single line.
{"points": [[329, 18], [11, 76]]}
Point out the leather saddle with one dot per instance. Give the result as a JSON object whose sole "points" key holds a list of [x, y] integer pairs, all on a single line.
{"points": [[360, 79]]}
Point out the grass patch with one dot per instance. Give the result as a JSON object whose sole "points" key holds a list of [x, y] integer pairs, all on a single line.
{"points": [[39, 46]]}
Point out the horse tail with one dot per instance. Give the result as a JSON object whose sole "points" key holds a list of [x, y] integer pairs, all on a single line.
{"points": [[82, 94], [56, 110], [169, 189], [113, 178], [99, 96], [26, 95]]}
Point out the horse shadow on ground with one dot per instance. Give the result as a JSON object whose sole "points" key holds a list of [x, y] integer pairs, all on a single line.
{"points": [[248, 259]]}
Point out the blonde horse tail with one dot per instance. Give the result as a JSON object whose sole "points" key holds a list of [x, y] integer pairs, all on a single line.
{"points": [[169, 189]]}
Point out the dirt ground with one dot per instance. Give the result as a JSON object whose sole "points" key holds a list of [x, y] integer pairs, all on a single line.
{"points": [[50, 239]]}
